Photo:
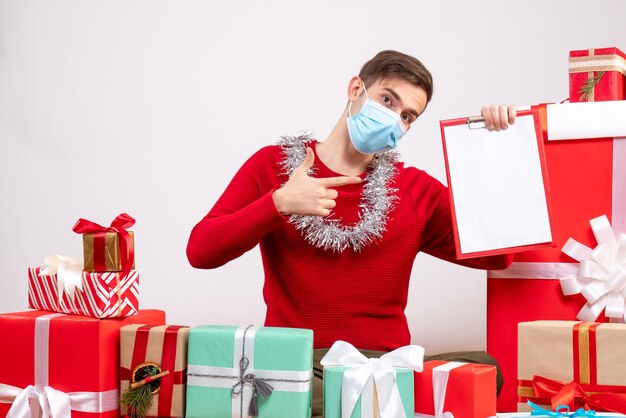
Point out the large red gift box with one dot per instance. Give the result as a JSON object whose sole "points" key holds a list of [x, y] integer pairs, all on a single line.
{"points": [[103, 295], [63, 360], [604, 68], [585, 179], [470, 390]]}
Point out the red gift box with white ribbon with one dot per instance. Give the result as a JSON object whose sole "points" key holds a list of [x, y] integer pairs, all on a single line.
{"points": [[62, 365], [587, 179]]}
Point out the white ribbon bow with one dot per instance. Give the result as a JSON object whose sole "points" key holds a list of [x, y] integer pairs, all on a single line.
{"points": [[601, 276], [69, 271], [49, 402], [382, 370]]}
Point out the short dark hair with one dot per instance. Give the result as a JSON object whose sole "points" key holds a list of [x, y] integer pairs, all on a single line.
{"points": [[396, 64]]}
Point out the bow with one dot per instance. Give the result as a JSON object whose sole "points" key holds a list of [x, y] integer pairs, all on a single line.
{"points": [[69, 271], [560, 411], [573, 395], [50, 402], [601, 276], [119, 225], [382, 370], [259, 387]]}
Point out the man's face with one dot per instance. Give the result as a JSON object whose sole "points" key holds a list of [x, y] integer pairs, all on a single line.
{"points": [[402, 97]]}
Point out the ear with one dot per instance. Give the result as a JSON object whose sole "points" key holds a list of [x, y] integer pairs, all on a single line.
{"points": [[355, 87]]}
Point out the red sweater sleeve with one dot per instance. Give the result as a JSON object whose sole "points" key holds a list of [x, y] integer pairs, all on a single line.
{"points": [[242, 215], [438, 235]]}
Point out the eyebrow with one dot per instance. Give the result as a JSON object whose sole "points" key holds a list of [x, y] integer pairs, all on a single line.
{"points": [[397, 97]]}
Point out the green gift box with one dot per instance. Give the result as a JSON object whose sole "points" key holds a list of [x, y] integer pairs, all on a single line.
{"points": [[359, 387], [332, 393], [230, 370]]}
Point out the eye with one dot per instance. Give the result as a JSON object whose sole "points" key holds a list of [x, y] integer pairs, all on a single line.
{"points": [[406, 117], [387, 100]]}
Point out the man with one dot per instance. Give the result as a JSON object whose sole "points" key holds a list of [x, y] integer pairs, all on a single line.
{"points": [[340, 222]]}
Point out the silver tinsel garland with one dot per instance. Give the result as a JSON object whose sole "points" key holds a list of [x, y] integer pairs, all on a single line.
{"points": [[377, 201]]}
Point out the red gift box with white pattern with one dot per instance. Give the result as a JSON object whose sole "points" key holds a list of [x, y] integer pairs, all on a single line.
{"points": [[605, 68], [77, 356], [103, 295]]}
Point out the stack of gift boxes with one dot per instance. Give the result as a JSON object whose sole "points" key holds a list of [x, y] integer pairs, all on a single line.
{"points": [[87, 346], [87, 350], [535, 308]]}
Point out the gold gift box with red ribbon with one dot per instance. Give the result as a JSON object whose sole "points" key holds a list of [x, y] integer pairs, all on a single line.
{"points": [[597, 75], [164, 350], [101, 251], [579, 364], [109, 248]]}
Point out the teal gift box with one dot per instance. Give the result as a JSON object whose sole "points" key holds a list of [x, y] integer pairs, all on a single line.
{"points": [[332, 393], [231, 370]]}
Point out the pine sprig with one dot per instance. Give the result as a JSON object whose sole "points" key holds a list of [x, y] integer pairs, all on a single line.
{"points": [[587, 88], [139, 399]]}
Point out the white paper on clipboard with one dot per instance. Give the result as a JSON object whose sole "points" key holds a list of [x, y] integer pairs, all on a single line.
{"points": [[497, 186]]}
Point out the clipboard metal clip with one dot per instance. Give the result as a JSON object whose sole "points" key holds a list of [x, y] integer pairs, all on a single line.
{"points": [[476, 122]]}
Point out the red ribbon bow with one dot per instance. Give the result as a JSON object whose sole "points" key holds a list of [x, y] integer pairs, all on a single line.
{"points": [[573, 395], [119, 225]]}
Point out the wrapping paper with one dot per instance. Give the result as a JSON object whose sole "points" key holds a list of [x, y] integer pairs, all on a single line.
{"points": [[73, 354], [470, 390], [101, 295], [108, 251], [332, 393], [227, 362], [554, 353], [166, 347], [586, 181], [587, 64]]}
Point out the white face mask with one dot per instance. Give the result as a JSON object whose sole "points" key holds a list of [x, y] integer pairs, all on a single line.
{"points": [[375, 128]]}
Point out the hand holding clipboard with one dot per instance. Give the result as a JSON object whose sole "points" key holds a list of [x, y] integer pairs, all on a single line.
{"points": [[498, 187]]}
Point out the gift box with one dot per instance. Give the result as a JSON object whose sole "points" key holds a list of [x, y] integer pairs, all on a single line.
{"points": [[358, 387], [69, 364], [107, 248], [578, 364], [99, 295], [465, 390], [237, 371], [597, 75], [586, 180], [148, 350]]}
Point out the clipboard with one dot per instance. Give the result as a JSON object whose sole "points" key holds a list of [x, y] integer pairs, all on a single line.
{"points": [[498, 186]]}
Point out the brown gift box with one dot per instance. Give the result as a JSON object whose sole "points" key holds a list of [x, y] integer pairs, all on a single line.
{"points": [[591, 354], [112, 257], [162, 346]]}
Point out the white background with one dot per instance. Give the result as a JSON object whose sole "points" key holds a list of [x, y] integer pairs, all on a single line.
{"points": [[149, 107]]}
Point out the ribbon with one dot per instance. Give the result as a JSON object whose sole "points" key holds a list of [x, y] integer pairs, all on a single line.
{"points": [[601, 276], [573, 395], [441, 375], [69, 272], [41, 400], [246, 382], [119, 225], [560, 411], [609, 62], [363, 372]]}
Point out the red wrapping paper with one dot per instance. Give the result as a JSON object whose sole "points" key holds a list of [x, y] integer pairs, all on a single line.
{"points": [[83, 354], [580, 174], [471, 390], [103, 295], [610, 86]]}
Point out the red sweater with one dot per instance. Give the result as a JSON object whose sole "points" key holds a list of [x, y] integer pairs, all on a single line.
{"points": [[356, 297]]}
